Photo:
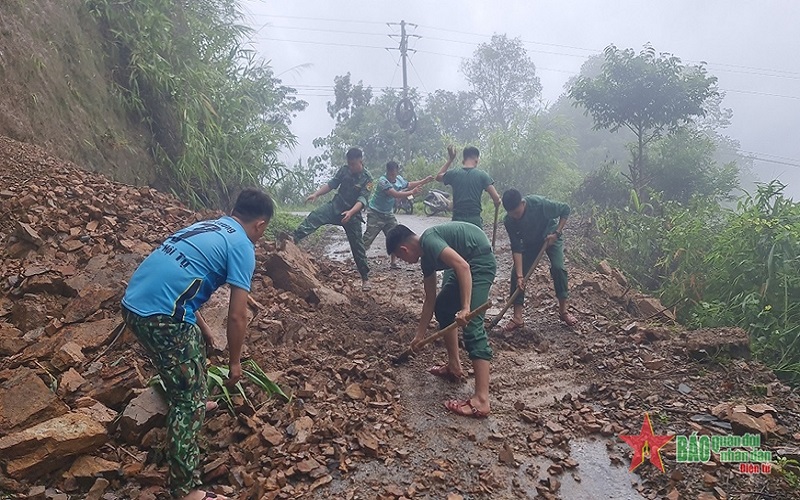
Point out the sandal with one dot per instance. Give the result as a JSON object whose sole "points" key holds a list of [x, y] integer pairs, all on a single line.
{"points": [[512, 326], [444, 372], [457, 406], [568, 319]]}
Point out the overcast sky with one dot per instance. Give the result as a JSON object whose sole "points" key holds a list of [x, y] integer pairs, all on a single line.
{"points": [[751, 47]]}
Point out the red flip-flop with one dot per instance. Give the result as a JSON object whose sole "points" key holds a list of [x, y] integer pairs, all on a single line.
{"points": [[443, 371], [465, 408], [512, 326]]}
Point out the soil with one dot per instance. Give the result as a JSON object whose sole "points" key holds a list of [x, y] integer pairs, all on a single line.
{"points": [[358, 426]]}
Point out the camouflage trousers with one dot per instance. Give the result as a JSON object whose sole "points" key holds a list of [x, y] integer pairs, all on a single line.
{"points": [[177, 350], [377, 222]]}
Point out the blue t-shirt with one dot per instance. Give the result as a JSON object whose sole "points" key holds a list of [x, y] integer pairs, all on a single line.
{"points": [[180, 275], [381, 201]]}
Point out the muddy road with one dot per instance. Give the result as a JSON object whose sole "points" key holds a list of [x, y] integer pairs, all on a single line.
{"points": [[502, 456]]}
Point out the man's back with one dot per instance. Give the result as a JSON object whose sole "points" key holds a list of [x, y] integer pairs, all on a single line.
{"points": [[466, 239], [468, 187], [179, 276]]}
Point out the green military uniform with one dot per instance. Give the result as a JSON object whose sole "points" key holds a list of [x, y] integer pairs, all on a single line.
{"points": [[177, 349], [352, 188], [473, 246], [527, 237], [468, 187]]}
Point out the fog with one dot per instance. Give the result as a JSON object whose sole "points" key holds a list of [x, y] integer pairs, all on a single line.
{"points": [[751, 47]]}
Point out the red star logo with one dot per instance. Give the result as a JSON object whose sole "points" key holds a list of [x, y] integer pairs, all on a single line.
{"points": [[646, 445]]}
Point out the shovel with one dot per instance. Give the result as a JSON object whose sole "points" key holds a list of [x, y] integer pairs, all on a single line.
{"points": [[494, 229], [518, 291], [402, 358]]}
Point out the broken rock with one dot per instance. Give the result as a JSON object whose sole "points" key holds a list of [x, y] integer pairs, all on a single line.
{"points": [[68, 356], [25, 400], [70, 382], [11, 341], [87, 466], [650, 307], [146, 411], [42, 448]]}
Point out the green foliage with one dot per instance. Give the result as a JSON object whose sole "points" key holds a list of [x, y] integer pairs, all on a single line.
{"points": [[682, 165], [218, 114], [296, 184], [370, 124], [645, 93], [724, 267], [217, 388], [603, 188], [534, 157], [503, 79], [282, 222]]}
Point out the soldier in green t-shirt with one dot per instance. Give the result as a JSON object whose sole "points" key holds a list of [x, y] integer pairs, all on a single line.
{"points": [[468, 185], [531, 222], [355, 184], [464, 252]]}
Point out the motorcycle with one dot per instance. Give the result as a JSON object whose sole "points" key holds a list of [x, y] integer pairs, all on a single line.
{"points": [[436, 202], [405, 204]]}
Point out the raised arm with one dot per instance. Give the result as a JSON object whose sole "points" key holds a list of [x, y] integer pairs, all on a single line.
{"points": [[451, 155]]}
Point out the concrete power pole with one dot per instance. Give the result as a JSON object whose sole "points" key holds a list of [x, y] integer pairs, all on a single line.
{"points": [[405, 114]]}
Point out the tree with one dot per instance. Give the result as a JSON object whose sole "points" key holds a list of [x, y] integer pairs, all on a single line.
{"points": [[536, 158], [454, 114], [683, 166], [503, 79], [648, 94], [371, 124], [348, 98]]}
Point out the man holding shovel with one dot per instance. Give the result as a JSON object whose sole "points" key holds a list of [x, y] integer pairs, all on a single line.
{"points": [[161, 307], [531, 222], [464, 251], [468, 184]]}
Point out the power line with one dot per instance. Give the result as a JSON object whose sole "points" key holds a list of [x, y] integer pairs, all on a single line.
{"points": [[768, 72], [319, 19]]}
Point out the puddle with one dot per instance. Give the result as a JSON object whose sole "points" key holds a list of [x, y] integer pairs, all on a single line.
{"points": [[339, 250], [599, 479]]}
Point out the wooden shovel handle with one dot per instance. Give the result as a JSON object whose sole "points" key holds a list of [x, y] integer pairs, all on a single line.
{"points": [[441, 333], [518, 291]]}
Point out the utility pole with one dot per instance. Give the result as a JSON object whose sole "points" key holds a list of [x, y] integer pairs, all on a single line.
{"points": [[405, 114]]}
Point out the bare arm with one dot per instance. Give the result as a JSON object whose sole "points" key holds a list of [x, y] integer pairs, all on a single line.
{"points": [[493, 193], [323, 190], [237, 328], [420, 182], [451, 259], [520, 273], [204, 328], [427, 307], [451, 155], [402, 194]]}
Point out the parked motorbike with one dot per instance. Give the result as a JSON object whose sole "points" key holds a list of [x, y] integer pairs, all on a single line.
{"points": [[405, 204], [436, 202]]}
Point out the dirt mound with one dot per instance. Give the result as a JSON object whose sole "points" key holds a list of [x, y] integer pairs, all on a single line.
{"points": [[75, 416]]}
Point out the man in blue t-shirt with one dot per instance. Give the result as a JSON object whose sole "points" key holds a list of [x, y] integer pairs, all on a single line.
{"points": [[380, 216], [161, 307]]}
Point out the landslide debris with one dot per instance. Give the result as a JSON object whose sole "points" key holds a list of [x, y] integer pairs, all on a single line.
{"points": [[76, 414]]}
